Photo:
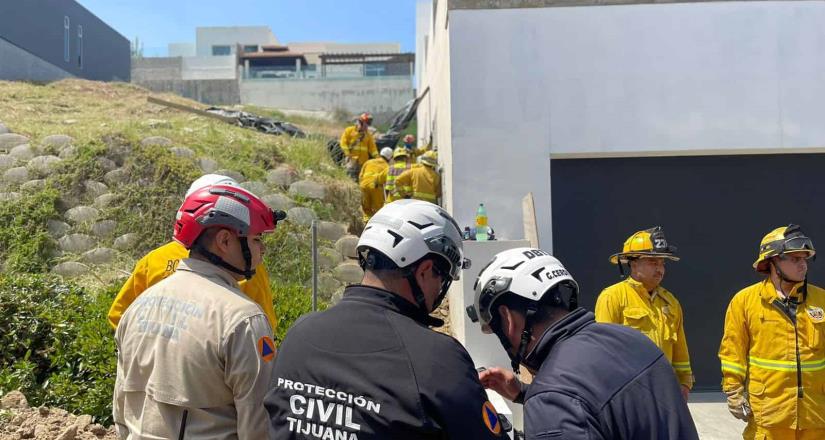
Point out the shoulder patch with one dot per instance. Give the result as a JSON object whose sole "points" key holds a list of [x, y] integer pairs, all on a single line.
{"points": [[816, 313], [490, 417], [266, 348]]}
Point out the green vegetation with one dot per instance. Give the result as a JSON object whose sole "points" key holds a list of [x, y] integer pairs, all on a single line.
{"points": [[57, 345]]}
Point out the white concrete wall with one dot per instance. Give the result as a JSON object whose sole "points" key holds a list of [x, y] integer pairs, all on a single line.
{"points": [[209, 68], [423, 19], [373, 94], [696, 78], [231, 35], [435, 110]]}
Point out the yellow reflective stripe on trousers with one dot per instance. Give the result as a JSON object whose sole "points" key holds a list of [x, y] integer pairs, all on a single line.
{"points": [[775, 365], [733, 367], [424, 196]]}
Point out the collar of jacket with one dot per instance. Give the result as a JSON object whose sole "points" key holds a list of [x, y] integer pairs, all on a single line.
{"points": [[769, 292], [561, 330], [208, 270], [640, 289], [389, 300]]}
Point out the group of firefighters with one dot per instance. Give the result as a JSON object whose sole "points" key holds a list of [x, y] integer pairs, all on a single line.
{"points": [[406, 172], [196, 359]]}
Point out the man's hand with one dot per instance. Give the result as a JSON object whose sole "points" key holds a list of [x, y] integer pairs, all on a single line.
{"points": [[685, 392], [737, 404], [501, 381]]}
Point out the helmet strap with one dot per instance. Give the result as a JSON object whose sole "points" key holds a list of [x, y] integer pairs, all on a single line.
{"points": [[418, 294], [526, 334], [218, 261], [783, 277]]}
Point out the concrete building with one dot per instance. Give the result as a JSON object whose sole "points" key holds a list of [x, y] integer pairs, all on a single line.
{"points": [[226, 40], [703, 117], [245, 64], [48, 40], [313, 49]]}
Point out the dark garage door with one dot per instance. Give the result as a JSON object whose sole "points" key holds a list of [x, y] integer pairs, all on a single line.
{"points": [[715, 209]]}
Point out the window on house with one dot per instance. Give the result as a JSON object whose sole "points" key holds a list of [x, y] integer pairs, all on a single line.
{"points": [[66, 38], [375, 69], [250, 48], [80, 46], [221, 50]]}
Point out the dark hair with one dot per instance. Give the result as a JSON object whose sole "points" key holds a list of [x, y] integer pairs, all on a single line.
{"points": [[203, 240]]}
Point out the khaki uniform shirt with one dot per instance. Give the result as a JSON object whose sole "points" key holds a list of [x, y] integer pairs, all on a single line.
{"points": [[194, 356]]}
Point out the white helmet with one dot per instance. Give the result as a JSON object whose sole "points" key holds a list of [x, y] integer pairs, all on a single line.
{"points": [[386, 153], [405, 231], [525, 272], [530, 274], [209, 180]]}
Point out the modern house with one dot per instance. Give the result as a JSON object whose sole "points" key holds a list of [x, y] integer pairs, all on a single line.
{"points": [[246, 64]]}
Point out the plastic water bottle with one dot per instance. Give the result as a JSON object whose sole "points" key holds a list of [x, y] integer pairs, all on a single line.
{"points": [[481, 223]]}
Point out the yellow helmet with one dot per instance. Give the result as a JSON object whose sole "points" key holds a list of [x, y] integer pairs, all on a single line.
{"points": [[399, 152], [781, 241], [430, 159], [649, 243]]}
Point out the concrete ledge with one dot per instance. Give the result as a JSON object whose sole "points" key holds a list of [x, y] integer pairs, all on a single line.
{"points": [[525, 4]]}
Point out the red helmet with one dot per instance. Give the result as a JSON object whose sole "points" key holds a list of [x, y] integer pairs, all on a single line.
{"points": [[365, 118], [223, 206]]}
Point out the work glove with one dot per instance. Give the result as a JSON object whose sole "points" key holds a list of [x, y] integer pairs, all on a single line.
{"points": [[738, 404]]}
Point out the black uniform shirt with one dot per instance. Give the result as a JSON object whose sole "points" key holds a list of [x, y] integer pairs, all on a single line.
{"points": [[600, 382], [369, 368]]}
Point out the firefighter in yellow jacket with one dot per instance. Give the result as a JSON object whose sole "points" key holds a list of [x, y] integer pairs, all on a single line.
{"points": [[773, 348], [163, 261], [372, 191], [640, 302], [358, 144], [413, 152], [401, 161], [420, 182]]}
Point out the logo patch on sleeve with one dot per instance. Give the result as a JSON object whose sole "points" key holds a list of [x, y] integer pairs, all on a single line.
{"points": [[816, 314], [490, 417], [266, 348]]}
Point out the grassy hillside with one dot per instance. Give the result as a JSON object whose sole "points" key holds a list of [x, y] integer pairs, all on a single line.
{"points": [[57, 346]]}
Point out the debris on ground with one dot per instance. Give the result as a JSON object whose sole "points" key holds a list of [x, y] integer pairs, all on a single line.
{"points": [[19, 421], [265, 125]]}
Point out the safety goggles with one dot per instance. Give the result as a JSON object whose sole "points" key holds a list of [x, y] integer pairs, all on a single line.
{"points": [[797, 244], [495, 287], [445, 247]]}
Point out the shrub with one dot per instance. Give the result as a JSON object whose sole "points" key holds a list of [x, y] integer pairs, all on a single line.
{"points": [[57, 346]]}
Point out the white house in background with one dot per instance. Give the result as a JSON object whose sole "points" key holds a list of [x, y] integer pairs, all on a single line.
{"points": [[703, 117], [246, 64], [225, 40]]}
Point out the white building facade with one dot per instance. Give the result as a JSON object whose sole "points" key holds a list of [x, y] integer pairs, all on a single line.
{"points": [[703, 117]]}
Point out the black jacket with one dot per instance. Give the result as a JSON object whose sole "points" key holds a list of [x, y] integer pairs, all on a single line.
{"points": [[369, 366], [602, 381]]}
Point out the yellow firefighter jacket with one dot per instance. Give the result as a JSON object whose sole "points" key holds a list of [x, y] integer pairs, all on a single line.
{"points": [[778, 355], [419, 182], [372, 191], [162, 262], [658, 316], [358, 145]]}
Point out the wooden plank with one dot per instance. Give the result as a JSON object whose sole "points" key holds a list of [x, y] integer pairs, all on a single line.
{"points": [[528, 212], [189, 109]]}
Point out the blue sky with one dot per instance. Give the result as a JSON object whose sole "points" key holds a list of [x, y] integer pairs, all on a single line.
{"points": [[159, 22]]}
